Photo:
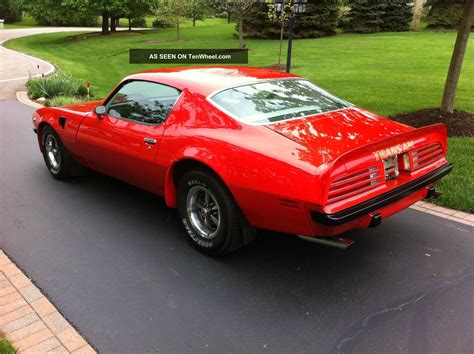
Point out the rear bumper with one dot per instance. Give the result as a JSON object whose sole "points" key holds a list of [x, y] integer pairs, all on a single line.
{"points": [[350, 214]]}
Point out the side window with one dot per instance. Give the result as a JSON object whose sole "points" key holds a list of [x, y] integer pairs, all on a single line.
{"points": [[143, 102]]}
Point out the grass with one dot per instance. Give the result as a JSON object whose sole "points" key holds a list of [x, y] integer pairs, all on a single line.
{"points": [[5, 345], [387, 73], [62, 101], [458, 187]]}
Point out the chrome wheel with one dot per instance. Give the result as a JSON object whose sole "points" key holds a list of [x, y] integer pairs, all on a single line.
{"points": [[203, 212], [53, 152]]}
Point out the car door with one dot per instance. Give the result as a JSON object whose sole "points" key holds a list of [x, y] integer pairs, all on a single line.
{"points": [[124, 141]]}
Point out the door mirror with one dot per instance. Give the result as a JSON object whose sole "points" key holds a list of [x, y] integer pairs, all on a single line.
{"points": [[99, 110]]}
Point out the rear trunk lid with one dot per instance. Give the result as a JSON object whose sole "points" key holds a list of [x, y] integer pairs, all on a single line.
{"points": [[335, 133]]}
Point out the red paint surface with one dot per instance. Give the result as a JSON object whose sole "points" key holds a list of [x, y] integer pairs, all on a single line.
{"points": [[277, 173]]}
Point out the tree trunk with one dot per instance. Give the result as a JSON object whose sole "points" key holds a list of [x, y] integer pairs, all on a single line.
{"points": [[241, 31], [282, 30], [228, 16], [113, 24], [177, 28], [105, 23], [417, 12], [129, 24], [449, 95], [194, 21]]}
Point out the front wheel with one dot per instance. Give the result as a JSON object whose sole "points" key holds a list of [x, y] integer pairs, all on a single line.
{"points": [[58, 160], [209, 214]]}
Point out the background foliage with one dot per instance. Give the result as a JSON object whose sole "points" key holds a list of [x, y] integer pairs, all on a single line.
{"points": [[319, 20], [368, 16]]}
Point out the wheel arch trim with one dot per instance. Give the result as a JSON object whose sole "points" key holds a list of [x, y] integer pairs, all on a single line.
{"points": [[170, 192]]}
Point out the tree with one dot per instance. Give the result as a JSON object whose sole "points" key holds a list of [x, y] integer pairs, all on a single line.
{"points": [[444, 14], [174, 10], [454, 71], [59, 13], [196, 10], [281, 19], [241, 8], [320, 19], [368, 16], [135, 9], [396, 16], [10, 10], [223, 6], [417, 12]]}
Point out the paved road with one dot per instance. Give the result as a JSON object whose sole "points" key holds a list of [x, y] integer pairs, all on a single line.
{"points": [[15, 68], [115, 262]]}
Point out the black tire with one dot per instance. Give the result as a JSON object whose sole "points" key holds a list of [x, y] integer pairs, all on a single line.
{"points": [[232, 233], [64, 164]]}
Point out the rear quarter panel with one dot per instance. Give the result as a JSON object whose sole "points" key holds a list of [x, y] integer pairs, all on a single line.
{"points": [[268, 174]]}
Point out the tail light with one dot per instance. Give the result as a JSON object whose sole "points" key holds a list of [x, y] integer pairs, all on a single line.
{"points": [[355, 182], [425, 155]]}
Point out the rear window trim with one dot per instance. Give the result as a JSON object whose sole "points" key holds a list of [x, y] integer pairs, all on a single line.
{"points": [[254, 82]]}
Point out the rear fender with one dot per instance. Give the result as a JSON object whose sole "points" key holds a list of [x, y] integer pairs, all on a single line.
{"points": [[200, 155]]}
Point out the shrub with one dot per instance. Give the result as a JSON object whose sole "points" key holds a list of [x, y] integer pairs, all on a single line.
{"points": [[62, 101], [138, 22], [162, 23], [82, 91], [59, 84]]}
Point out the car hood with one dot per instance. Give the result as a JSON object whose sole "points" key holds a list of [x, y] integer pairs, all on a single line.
{"points": [[333, 134], [84, 107]]}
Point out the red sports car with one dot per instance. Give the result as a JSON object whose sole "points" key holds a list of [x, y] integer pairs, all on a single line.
{"points": [[239, 148]]}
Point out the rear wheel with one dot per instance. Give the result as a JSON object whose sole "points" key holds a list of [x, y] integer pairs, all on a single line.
{"points": [[209, 214], [58, 160]]}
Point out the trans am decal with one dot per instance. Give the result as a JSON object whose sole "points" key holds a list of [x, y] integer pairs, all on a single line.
{"points": [[393, 150]]}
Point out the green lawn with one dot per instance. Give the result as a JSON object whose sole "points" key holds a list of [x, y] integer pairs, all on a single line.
{"points": [[387, 73], [5, 346]]}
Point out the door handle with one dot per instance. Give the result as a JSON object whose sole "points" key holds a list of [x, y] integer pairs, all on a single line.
{"points": [[149, 141]]}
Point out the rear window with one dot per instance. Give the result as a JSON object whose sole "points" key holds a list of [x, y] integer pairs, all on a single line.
{"points": [[275, 101]]}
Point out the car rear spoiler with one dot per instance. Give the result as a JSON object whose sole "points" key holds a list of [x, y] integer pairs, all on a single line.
{"points": [[401, 142]]}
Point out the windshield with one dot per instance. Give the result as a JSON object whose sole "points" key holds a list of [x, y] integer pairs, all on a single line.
{"points": [[274, 101]]}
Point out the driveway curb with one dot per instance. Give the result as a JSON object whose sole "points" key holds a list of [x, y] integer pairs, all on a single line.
{"points": [[450, 214], [29, 320], [22, 97]]}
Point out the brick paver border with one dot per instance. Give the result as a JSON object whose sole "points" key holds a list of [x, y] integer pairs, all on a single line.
{"points": [[450, 214], [29, 320]]}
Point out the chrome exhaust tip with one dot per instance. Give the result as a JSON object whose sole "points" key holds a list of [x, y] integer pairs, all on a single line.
{"points": [[338, 242]]}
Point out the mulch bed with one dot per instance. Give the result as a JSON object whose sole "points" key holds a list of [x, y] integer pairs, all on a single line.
{"points": [[88, 35], [276, 67], [459, 123], [161, 41]]}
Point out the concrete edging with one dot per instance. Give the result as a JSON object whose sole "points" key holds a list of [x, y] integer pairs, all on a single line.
{"points": [[29, 320], [22, 97], [450, 214]]}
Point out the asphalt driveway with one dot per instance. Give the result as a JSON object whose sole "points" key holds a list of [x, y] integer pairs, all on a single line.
{"points": [[114, 260]]}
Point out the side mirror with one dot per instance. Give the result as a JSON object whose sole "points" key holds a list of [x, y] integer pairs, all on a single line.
{"points": [[99, 110]]}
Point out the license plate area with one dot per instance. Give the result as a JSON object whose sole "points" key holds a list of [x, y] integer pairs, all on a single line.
{"points": [[391, 168]]}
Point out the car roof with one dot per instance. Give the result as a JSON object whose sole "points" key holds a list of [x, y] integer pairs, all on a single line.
{"points": [[208, 79]]}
